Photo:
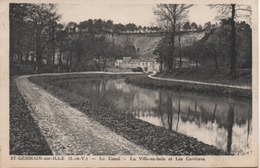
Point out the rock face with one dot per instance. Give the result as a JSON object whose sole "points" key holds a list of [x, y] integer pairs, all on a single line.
{"points": [[146, 43]]}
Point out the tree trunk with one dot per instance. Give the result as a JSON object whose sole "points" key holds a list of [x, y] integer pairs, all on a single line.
{"points": [[38, 49], [12, 47], [53, 46], [29, 47], [78, 61], [171, 56], [233, 54], [161, 64], [11, 54], [70, 60], [174, 29], [60, 61], [179, 39], [216, 62], [104, 64], [21, 58]]}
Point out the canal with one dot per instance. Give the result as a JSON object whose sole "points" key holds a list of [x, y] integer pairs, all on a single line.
{"points": [[222, 122]]}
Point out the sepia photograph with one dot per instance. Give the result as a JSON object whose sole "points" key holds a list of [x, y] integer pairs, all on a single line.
{"points": [[118, 83]]}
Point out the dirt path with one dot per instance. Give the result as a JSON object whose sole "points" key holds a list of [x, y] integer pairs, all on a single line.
{"points": [[69, 131], [201, 83]]}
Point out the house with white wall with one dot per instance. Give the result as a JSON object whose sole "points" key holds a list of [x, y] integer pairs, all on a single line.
{"points": [[118, 63], [125, 62], [147, 63], [185, 63]]}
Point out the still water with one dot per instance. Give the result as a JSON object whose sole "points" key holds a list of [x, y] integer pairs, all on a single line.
{"points": [[221, 122]]}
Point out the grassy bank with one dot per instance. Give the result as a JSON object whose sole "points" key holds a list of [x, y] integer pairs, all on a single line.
{"points": [[145, 81], [157, 139], [25, 136], [242, 78]]}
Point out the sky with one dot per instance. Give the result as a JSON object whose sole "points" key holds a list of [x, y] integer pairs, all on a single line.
{"points": [[139, 14]]}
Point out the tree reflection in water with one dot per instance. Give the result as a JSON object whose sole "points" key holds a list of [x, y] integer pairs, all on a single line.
{"points": [[217, 118], [223, 123], [214, 114], [169, 111], [179, 111], [230, 126]]}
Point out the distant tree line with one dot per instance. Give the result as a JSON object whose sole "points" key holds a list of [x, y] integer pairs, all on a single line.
{"points": [[107, 26]]}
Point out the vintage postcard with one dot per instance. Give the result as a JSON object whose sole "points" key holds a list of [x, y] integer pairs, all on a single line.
{"points": [[118, 83]]}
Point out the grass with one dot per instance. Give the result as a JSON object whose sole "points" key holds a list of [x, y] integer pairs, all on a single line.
{"points": [[156, 139], [145, 81], [243, 76], [25, 136]]}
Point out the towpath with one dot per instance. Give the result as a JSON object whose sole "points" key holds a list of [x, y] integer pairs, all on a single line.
{"points": [[69, 131], [201, 83]]}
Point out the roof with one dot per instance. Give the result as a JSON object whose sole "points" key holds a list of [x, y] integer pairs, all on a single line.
{"points": [[126, 59], [147, 58], [143, 58], [134, 60], [119, 61]]}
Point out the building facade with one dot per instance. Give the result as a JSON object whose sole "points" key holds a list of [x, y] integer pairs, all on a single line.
{"points": [[147, 64]]}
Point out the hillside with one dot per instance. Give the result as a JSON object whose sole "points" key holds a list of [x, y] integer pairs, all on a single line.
{"points": [[146, 43]]}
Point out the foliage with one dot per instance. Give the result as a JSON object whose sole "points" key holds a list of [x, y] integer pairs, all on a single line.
{"points": [[213, 50], [31, 30], [232, 12], [187, 26], [194, 26], [162, 51]]}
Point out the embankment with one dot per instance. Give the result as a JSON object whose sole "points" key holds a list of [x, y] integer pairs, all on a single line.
{"points": [[243, 77], [211, 90], [25, 135]]}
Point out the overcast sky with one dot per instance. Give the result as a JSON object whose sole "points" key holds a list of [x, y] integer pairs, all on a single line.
{"points": [[140, 14]]}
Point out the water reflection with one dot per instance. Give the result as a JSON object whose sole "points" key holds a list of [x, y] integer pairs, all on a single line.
{"points": [[216, 121]]}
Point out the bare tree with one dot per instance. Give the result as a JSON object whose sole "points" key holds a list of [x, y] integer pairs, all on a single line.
{"points": [[233, 11], [169, 15]]}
